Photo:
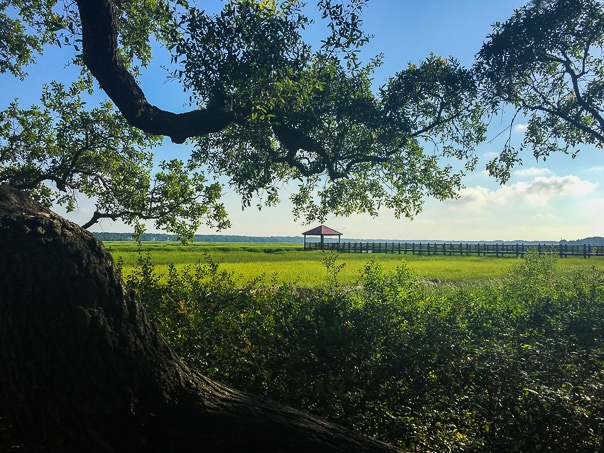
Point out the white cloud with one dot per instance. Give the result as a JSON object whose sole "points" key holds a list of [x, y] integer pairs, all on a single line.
{"points": [[538, 191], [520, 128], [478, 196], [556, 186]]}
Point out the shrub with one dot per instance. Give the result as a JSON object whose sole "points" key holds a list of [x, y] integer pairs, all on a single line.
{"points": [[512, 365]]}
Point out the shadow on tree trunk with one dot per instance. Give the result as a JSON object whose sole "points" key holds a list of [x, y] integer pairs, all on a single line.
{"points": [[83, 368]]}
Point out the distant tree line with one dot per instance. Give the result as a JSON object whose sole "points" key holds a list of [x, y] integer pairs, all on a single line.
{"points": [[159, 237], [594, 240]]}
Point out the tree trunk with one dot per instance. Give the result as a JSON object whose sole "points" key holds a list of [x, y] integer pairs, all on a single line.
{"points": [[83, 368]]}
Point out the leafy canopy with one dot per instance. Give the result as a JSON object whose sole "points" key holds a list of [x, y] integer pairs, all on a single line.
{"points": [[267, 108], [59, 149], [546, 61], [313, 116], [286, 112]]}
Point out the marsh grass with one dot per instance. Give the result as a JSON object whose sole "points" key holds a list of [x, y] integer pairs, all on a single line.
{"points": [[288, 263]]}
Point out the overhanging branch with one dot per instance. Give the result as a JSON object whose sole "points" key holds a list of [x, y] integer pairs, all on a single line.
{"points": [[100, 52]]}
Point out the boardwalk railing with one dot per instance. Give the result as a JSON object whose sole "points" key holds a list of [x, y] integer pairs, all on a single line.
{"points": [[467, 249]]}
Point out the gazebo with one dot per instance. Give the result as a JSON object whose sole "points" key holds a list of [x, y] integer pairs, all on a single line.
{"points": [[322, 231]]}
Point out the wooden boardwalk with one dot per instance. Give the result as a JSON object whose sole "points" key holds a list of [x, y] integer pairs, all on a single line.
{"points": [[451, 248]]}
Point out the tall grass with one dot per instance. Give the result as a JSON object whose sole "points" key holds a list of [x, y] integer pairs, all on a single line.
{"points": [[290, 264]]}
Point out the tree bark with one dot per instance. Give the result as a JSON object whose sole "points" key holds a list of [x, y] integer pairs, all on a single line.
{"points": [[83, 368]]}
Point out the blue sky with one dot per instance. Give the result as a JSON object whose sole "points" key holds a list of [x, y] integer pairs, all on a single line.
{"points": [[561, 198]]}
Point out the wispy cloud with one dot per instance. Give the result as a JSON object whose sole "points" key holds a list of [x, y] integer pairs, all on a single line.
{"points": [[490, 155], [555, 186], [532, 172], [545, 217]]}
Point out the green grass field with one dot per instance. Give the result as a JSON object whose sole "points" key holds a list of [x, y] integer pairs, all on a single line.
{"points": [[289, 263]]}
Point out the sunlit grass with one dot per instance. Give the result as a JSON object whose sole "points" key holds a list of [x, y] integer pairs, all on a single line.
{"points": [[288, 263]]}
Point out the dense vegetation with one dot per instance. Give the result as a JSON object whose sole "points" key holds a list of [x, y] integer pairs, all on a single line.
{"points": [[515, 364]]}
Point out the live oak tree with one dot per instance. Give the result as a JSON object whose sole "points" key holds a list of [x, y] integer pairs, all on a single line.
{"points": [[546, 62], [265, 108], [269, 109], [82, 366]]}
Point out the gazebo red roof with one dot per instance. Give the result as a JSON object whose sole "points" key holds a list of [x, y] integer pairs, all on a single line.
{"points": [[322, 230]]}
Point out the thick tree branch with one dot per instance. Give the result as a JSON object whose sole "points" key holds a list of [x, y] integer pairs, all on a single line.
{"points": [[294, 141], [100, 51], [582, 102], [97, 216]]}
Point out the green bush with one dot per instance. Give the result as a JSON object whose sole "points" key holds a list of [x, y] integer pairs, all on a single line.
{"points": [[513, 365]]}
